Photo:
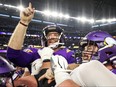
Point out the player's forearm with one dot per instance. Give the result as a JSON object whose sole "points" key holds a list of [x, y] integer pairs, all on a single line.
{"points": [[17, 38], [72, 66]]}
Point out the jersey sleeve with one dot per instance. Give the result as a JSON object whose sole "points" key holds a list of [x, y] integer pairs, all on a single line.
{"points": [[70, 56], [22, 58]]}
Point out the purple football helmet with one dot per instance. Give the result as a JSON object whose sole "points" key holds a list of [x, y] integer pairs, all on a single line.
{"points": [[114, 71], [107, 54], [97, 37], [6, 71], [52, 28]]}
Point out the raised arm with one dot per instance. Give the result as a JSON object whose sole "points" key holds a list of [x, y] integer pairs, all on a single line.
{"points": [[17, 38]]}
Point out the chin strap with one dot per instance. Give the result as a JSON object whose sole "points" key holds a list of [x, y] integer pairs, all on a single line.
{"points": [[59, 68], [55, 45]]}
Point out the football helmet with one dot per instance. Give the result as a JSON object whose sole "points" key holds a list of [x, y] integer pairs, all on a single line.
{"points": [[99, 39], [107, 54], [52, 28], [6, 71]]}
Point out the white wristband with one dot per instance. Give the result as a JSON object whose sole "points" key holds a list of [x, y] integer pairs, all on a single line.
{"points": [[35, 66]]}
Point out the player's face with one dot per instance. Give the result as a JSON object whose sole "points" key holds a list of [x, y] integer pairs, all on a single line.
{"points": [[52, 37], [89, 50]]}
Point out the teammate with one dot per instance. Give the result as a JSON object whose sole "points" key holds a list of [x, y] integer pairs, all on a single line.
{"points": [[95, 77], [92, 42], [90, 74], [38, 61], [107, 56], [99, 45]]}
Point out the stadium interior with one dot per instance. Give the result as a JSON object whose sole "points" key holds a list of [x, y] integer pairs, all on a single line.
{"points": [[76, 17]]}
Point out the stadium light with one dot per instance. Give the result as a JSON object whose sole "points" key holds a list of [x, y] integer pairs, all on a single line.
{"points": [[47, 12], [54, 14], [1, 4], [20, 7], [103, 20], [92, 21], [61, 15], [67, 16]]}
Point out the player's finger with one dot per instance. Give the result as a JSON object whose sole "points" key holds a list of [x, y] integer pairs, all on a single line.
{"points": [[31, 8], [30, 5], [26, 12]]}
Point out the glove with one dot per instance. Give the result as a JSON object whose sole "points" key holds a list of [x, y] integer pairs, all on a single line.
{"points": [[45, 53], [59, 67], [35, 66], [58, 63]]}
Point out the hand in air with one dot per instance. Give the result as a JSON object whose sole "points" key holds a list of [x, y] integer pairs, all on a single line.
{"points": [[27, 14]]}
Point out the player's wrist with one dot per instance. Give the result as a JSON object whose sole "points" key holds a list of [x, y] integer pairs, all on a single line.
{"points": [[25, 23]]}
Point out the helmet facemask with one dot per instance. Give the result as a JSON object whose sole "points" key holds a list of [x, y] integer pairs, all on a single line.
{"points": [[89, 51], [101, 40], [51, 29]]}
